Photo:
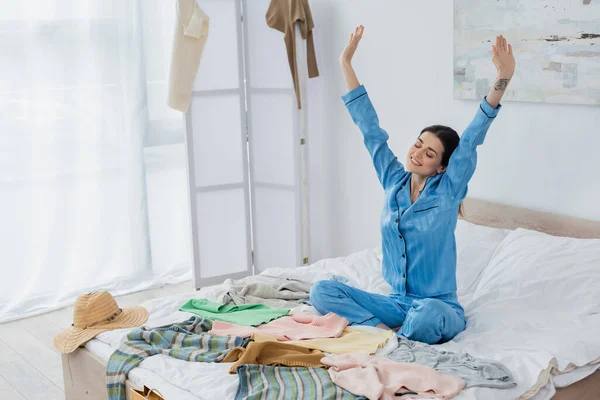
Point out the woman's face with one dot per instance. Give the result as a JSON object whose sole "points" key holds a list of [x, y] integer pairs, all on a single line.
{"points": [[425, 155]]}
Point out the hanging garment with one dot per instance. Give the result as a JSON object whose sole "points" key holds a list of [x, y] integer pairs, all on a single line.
{"points": [[191, 32], [282, 15]]}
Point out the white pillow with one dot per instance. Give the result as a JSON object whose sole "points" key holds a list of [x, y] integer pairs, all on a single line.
{"points": [[536, 304], [475, 245], [543, 275]]}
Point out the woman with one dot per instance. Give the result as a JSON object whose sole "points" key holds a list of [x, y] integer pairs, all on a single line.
{"points": [[422, 203]]}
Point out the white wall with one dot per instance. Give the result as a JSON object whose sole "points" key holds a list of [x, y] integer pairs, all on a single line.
{"points": [[539, 156]]}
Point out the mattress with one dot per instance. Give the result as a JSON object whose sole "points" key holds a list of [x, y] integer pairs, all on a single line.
{"points": [[528, 350]]}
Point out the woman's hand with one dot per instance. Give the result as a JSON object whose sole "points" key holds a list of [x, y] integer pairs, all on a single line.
{"points": [[348, 53], [502, 57], [346, 59]]}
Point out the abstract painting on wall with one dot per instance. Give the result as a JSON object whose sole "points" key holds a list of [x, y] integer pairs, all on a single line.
{"points": [[556, 44]]}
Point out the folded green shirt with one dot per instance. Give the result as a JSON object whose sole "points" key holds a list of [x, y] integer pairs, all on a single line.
{"points": [[243, 314]]}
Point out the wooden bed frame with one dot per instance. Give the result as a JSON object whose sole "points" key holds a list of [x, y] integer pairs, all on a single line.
{"points": [[84, 373], [85, 376]]}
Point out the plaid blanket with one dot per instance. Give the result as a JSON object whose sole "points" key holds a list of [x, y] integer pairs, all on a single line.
{"points": [[260, 382], [186, 341]]}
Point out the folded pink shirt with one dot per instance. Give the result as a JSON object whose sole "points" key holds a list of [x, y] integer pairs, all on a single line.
{"points": [[296, 327], [379, 378]]}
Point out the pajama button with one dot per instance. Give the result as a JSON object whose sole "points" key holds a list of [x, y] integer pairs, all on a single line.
{"points": [[403, 276], [403, 256], [397, 220]]}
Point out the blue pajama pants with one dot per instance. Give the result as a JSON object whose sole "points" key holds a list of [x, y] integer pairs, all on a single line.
{"points": [[428, 320]]}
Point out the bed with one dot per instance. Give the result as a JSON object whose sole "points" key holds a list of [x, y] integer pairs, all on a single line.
{"points": [[531, 301]]}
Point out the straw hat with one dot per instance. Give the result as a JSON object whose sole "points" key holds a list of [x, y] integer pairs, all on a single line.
{"points": [[93, 314]]}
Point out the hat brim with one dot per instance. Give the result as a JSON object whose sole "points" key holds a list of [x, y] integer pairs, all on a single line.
{"points": [[69, 340]]}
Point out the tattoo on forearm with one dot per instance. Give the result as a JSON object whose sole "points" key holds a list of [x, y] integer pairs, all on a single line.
{"points": [[501, 84]]}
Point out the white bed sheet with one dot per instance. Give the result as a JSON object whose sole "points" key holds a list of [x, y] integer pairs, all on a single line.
{"points": [[182, 380], [522, 348]]}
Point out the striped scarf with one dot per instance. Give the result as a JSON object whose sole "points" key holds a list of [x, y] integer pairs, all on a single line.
{"points": [[185, 341], [260, 382]]}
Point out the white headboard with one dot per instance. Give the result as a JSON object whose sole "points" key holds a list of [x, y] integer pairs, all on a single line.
{"points": [[496, 215]]}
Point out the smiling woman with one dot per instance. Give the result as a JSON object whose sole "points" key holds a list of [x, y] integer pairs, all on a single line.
{"points": [[431, 153], [422, 204]]}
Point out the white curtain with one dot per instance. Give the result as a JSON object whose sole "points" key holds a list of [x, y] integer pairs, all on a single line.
{"points": [[92, 162]]}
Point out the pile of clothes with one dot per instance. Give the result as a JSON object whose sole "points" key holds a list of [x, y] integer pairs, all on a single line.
{"points": [[276, 348]]}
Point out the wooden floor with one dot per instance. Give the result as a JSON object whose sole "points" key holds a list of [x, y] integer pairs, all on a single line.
{"points": [[30, 367]]}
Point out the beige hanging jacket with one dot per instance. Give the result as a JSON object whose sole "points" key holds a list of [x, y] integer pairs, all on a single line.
{"points": [[191, 32]]}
